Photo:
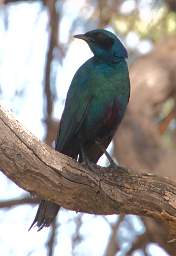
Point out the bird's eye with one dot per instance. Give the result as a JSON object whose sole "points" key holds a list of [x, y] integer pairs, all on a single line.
{"points": [[101, 39], [104, 41]]}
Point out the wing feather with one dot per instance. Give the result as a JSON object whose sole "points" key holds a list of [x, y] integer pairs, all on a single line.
{"points": [[77, 103]]}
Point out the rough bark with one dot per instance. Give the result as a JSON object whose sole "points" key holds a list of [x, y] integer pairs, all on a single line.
{"points": [[39, 169]]}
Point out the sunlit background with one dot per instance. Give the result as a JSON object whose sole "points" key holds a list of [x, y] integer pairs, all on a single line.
{"points": [[38, 58]]}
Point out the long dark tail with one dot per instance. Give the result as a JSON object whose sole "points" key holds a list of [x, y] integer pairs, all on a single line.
{"points": [[47, 210], [46, 213]]}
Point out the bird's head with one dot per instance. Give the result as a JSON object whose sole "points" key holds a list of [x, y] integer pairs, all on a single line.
{"points": [[104, 45]]}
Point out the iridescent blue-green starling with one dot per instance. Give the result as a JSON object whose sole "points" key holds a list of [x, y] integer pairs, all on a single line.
{"points": [[95, 104]]}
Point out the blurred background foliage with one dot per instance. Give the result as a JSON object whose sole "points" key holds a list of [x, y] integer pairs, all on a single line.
{"points": [[34, 78]]}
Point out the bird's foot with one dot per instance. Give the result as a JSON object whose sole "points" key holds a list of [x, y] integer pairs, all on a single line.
{"points": [[87, 163], [113, 165]]}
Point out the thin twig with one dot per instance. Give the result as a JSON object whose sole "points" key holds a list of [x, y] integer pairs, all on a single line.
{"points": [[17, 202]]}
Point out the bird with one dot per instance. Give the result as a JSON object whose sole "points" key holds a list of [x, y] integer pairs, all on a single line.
{"points": [[95, 105]]}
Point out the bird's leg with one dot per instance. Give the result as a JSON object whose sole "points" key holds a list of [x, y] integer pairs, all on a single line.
{"points": [[103, 149], [86, 160]]}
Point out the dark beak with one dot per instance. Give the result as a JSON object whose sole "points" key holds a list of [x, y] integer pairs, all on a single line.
{"points": [[83, 37]]}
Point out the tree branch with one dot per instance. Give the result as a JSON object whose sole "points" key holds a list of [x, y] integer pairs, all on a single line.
{"points": [[18, 201], [39, 169]]}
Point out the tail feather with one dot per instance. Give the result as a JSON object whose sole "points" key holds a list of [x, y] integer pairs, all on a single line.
{"points": [[46, 213], [47, 210]]}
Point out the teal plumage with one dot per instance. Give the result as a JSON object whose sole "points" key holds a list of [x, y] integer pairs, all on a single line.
{"points": [[95, 105]]}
